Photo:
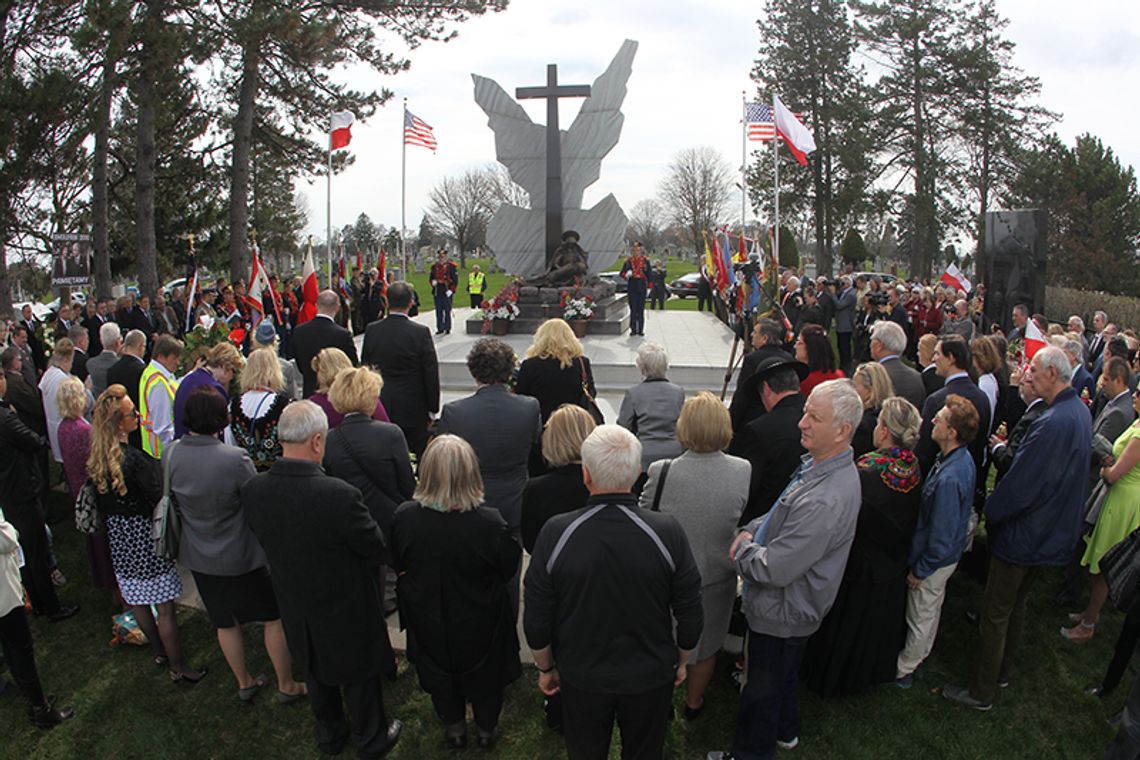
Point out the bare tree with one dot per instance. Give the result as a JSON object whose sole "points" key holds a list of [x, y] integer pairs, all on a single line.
{"points": [[462, 206], [695, 192], [646, 220]]}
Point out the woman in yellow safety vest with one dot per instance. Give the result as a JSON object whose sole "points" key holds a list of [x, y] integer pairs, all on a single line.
{"points": [[476, 282]]}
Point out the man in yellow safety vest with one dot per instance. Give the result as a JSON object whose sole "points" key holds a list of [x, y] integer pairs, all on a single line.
{"points": [[476, 283], [157, 387]]}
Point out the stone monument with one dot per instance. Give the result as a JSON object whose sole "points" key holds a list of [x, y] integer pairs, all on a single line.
{"points": [[555, 167]]}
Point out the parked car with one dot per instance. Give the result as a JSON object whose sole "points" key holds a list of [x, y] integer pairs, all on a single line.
{"points": [[169, 287], [686, 285], [40, 311], [884, 278], [620, 284]]}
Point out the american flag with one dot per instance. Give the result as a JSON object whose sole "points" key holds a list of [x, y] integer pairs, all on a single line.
{"points": [[417, 132], [761, 125]]}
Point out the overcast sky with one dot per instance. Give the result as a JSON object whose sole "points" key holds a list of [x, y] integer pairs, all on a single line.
{"points": [[689, 74]]}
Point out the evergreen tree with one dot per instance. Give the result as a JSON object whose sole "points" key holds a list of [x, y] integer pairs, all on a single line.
{"points": [[853, 250], [805, 56]]}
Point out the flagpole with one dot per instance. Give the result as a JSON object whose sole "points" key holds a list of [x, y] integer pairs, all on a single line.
{"points": [[328, 207], [776, 182], [404, 188], [743, 161]]}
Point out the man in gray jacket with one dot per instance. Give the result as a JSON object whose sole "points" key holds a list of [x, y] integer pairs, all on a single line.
{"points": [[791, 561]]}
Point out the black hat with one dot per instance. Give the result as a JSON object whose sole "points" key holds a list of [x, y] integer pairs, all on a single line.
{"points": [[571, 234], [767, 367]]}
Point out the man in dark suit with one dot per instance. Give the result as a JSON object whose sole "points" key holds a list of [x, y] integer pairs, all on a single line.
{"points": [[20, 342], [1002, 450], [845, 303], [952, 360], [324, 548], [888, 341], [1118, 413], [767, 337], [319, 333], [127, 372], [502, 428], [79, 336], [771, 442], [1096, 338], [404, 353], [93, 320], [35, 345]]}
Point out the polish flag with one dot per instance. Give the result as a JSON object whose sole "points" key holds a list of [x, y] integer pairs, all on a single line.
{"points": [[258, 286], [793, 132], [342, 128], [955, 278], [1034, 340], [309, 289]]}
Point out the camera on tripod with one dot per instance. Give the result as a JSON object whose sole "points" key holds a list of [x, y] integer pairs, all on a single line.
{"points": [[748, 268]]}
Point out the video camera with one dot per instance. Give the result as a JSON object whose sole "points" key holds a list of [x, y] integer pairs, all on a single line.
{"points": [[750, 267], [878, 299]]}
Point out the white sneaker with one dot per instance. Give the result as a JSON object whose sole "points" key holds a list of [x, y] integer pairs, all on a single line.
{"points": [[792, 744]]}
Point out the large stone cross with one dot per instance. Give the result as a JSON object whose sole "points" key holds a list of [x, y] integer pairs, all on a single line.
{"points": [[552, 92]]}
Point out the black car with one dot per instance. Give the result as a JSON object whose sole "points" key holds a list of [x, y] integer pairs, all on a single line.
{"points": [[686, 285], [620, 284]]}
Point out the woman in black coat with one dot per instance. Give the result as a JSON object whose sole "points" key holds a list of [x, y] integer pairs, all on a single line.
{"points": [[554, 368], [454, 558], [561, 489]]}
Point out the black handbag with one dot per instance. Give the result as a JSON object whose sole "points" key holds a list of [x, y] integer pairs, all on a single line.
{"points": [[1120, 566], [586, 401]]}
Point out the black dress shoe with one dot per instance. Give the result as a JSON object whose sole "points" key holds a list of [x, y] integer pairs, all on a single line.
{"points": [[63, 613], [691, 713], [48, 716], [486, 739]]}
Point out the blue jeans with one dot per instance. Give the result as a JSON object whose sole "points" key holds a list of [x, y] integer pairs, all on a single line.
{"points": [[442, 311], [770, 702]]}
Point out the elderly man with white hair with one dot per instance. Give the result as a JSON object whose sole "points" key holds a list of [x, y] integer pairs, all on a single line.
{"points": [[323, 547], [650, 409], [791, 561], [111, 338], [888, 341], [1082, 380], [604, 586], [1033, 519]]}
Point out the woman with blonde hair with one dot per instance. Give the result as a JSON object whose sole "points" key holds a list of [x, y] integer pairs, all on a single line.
{"points": [[874, 386], [561, 489], [705, 490], [555, 369], [454, 558], [75, 447], [255, 413], [327, 365], [128, 486]]}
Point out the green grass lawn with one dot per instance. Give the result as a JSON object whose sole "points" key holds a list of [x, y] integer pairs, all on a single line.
{"points": [[128, 708]]}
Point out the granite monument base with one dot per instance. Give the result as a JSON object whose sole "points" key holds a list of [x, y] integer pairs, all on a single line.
{"points": [[536, 305]]}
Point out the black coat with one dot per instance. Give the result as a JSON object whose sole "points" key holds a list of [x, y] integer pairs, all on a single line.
{"points": [[558, 491], [35, 345], [503, 429], [931, 381], [453, 568], [127, 372], [316, 334], [907, 382], [79, 365], [373, 456], [771, 443], [927, 449], [93, 324], [19, 447], [864, 438], [323, 548], [26, 401], [1003, 456], [404, 353], [552, 384]]}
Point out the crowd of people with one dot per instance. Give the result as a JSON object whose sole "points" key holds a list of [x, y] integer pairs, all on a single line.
{"points": [[836, 496]]}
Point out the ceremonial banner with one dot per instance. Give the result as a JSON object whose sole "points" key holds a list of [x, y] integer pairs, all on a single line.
{"points": [[71, 260]]}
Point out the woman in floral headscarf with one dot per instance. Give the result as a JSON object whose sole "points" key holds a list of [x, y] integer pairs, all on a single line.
{"points": [[857, 645]]}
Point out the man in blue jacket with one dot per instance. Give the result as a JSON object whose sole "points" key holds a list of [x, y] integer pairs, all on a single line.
{"points": [[845, 323], [1033, 518]]}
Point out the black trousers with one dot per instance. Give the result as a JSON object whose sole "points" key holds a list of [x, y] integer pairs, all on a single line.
{"points": [[657, 298], [588, 723], [1125, 646], [476, 300], [451, 707], [636, 295], [365, 702], [704, 296], [16, 641], [843, 342], [28, 519]]}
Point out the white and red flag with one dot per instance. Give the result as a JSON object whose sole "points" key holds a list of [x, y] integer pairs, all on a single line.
{"points": [[1034, 340], [309, 289], [258, 287], [341, 129], [792, 131], [956, 278]]}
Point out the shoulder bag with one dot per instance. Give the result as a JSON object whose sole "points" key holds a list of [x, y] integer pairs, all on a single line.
{"points": [[1121, 568], [166, 528], [586, 401], [87, 510], [660, 485]]}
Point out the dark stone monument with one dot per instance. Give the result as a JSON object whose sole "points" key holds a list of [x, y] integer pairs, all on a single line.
{"points": [[1015, 263]]}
